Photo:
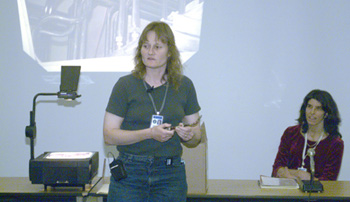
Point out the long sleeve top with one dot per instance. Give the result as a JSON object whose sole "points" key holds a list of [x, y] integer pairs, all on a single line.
{"points": [[328, 157]]}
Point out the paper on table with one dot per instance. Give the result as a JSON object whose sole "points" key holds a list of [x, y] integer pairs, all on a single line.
{"points": [[281, 183]]}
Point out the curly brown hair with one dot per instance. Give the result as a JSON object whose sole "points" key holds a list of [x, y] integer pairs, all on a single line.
{"points": [[174, 68], [331, 121]]}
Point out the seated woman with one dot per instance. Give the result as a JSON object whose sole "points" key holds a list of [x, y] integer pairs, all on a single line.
{"points": [[318, 129]]}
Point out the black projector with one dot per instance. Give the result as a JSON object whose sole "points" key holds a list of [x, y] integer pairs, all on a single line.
{"points": [[64, 168]]}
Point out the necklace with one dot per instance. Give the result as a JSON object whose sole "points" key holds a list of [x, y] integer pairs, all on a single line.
{"points": [[317, 142], [310, 146]]}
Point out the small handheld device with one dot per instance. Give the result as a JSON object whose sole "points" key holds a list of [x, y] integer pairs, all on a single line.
{"points": [[117, 169], [186, 125]]}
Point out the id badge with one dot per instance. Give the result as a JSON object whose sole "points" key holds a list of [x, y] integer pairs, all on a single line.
{"points": [[156, 120]]}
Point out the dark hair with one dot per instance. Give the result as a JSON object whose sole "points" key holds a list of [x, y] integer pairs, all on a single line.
{"points": [[331, 120], [174, 66]]}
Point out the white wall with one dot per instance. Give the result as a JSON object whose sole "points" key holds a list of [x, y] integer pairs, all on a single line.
{"points": [[257, 60]]}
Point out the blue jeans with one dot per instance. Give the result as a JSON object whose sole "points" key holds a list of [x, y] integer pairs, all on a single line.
{"points": [[150, 179]]}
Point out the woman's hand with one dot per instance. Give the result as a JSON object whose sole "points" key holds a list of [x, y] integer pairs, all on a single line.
{"points": [[161, 133], [185, 133], [303, 175], [283, 172], [189, 130], [294, 173]]}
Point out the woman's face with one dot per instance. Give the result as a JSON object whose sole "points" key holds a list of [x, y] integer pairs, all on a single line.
{"points": [[154, 52], [314, 113]]}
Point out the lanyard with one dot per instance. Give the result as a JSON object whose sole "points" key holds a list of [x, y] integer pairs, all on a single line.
{"points": [[150, 96], [305, 143]]}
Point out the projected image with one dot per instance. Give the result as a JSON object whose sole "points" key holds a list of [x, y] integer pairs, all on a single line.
{"points": [[101, 35]]}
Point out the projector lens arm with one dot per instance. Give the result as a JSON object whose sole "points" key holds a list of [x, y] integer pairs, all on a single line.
{"points": [[31, 129]]}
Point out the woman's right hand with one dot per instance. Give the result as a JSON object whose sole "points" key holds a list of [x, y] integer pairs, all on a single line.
{"points": [[283, 172], [293, 173], [161, 133]]}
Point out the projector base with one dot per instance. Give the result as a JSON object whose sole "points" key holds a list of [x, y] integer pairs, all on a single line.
{"points": [[64, 172], [64, 185], [314, 186]]}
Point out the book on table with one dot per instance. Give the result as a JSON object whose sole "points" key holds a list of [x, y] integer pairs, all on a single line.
{"points": [[277, 183]]}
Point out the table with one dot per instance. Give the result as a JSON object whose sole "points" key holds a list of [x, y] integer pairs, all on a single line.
{"points": [[249, 190], [21, 189]]}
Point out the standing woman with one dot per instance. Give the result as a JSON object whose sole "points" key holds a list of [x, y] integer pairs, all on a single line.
{"points": [[318, 129], [149, 114]]}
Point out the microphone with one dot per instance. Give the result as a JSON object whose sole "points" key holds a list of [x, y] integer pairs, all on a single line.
{"points": [[311, 185], [150, 89], [311, 153]]}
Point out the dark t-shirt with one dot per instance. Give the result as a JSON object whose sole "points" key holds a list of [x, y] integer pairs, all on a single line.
{"points": [[130, 100]]}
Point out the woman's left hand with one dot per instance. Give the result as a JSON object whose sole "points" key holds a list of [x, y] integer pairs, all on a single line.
{"points": [[303, 175], [185, 133]]}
